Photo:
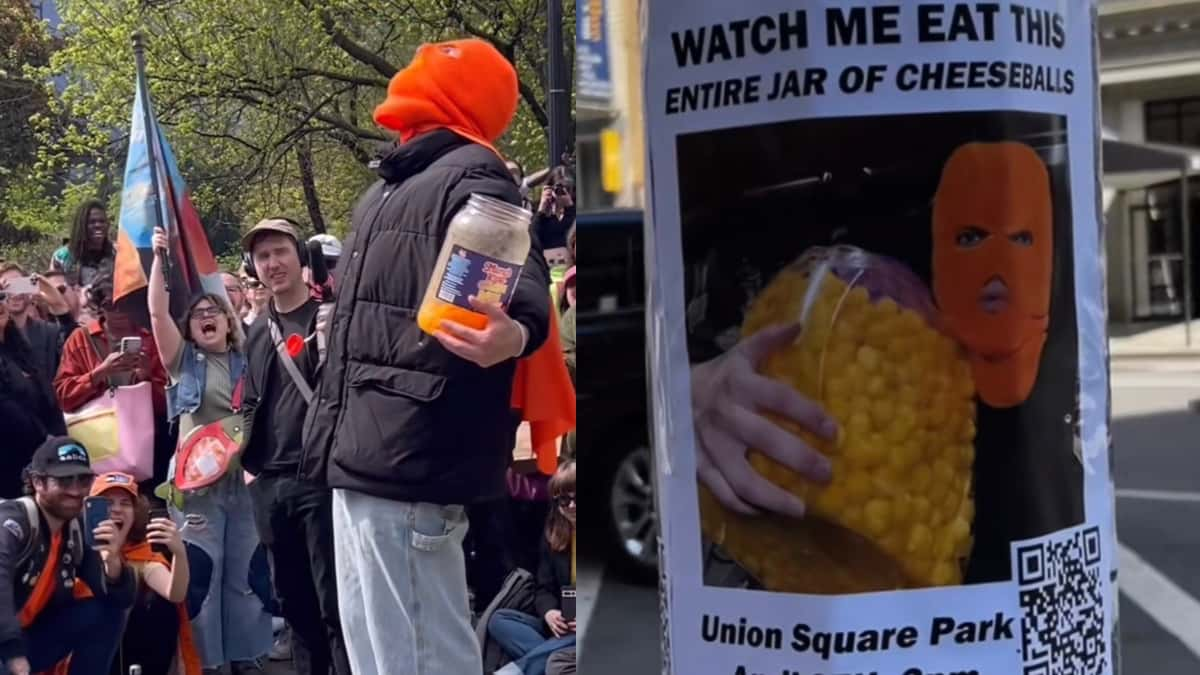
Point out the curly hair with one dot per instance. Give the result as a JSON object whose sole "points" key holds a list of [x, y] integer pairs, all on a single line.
{"points": [[79, 235]]}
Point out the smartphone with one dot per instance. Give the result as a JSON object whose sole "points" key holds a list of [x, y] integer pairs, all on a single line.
{"points": [[95, 511], [131, 345], [21, 286], [568, 603], [154, 515]]}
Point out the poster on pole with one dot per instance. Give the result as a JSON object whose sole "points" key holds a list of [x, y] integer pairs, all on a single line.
{"points": [[877, 338]]}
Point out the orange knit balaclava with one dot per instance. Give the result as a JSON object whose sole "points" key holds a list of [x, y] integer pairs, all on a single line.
{"points": [[992, 258], [466, 86]]}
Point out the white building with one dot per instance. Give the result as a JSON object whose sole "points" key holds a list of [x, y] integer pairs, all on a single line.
{"points": [[1150, 93]]}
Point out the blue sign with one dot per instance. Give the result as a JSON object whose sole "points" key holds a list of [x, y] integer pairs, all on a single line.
{"points": [[594, 79]]}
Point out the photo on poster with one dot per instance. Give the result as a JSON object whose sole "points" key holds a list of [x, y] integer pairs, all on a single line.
{"points": [[909, 278]]}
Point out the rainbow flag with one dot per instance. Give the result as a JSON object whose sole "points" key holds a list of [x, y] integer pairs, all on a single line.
{"points": [[193, 268]]}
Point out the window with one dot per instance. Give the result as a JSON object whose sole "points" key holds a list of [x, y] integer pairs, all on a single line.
{"points": [[1174, 121], [613, 278]]}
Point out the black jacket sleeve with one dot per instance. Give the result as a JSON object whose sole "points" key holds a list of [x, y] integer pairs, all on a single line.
{"points": [[530, 304], [549, 591], [12, 544], [253, 389]]}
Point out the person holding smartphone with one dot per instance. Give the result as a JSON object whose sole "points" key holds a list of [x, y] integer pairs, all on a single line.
{"points": [[556, 216], [22, 293], [157, 632], [531, 640], [64, 587], [93, 361], [29, 411]]}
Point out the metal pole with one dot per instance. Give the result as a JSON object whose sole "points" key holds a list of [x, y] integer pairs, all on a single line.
{"points": [[1186, 218], [151, 131], [558, 104]]}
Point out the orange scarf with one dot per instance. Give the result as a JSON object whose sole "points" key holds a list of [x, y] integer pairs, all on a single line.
{"points": [[543, 392], [43, 590]]}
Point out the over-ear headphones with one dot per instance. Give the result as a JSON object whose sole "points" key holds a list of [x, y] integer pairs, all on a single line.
{"points": [[301, 250]]}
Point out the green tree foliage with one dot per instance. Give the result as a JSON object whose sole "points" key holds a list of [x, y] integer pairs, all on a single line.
{"points": [[25, 46], [267, 103]]}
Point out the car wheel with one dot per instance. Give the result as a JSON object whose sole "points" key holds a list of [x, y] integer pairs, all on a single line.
{"points": [[633, 521]]}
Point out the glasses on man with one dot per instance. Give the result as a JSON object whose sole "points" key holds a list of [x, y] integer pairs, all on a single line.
{"points": [[206, 313], [565, 501], [78, 481]]}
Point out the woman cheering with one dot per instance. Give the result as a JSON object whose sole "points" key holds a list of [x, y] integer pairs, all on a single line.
{"points": [[206, 366]]}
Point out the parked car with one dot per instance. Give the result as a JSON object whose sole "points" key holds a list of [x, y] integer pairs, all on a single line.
{"points": [[612, 395]]}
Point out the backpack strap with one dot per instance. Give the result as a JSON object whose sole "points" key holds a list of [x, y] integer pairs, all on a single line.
{"points": [[288, 363], [35, 522]]}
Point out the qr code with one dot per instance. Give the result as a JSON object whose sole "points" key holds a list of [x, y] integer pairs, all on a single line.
{"points": [[1062, 605]]}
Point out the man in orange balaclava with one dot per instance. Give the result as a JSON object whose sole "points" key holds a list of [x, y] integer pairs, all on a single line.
{"points": [[992, 263], [408, 429]]}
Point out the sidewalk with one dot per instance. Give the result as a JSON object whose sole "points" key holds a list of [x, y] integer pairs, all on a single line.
{"points": [[1153, 340]]}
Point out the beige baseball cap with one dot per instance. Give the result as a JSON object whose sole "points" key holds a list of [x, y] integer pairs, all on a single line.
{"points": [[278, 225]]}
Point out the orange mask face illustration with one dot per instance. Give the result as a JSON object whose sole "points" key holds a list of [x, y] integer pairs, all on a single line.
{"points": [[992, 261]]}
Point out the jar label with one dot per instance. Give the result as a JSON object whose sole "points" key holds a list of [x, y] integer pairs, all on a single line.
{"points": [[469, 273]]}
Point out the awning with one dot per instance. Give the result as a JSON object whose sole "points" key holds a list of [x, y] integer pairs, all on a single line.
{"points": [[1133, 166]]}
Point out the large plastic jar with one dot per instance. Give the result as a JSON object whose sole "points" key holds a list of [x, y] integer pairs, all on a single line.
{"points": [[486, 246]]}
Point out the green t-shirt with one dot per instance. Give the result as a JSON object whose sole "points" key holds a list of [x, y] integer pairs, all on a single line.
{"points": [[217, 400]]}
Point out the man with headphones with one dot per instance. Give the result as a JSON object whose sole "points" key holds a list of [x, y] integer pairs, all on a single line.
{"points": [[293, 517]]}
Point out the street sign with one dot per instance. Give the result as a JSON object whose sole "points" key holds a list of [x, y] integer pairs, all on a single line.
{"points": [[591, 51]]}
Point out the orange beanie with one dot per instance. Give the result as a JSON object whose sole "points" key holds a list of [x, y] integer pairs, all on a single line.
{"points": [[466, 86]]}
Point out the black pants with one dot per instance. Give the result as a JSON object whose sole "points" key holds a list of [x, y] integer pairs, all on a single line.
{"points": [[295, 524], [487, 549], [151, 636]]}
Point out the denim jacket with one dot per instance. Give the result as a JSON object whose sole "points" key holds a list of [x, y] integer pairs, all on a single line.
{"points": [[186, 394]]}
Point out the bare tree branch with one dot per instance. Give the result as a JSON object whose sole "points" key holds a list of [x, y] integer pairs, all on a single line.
{"points": [[352, 48], [340, 77]]}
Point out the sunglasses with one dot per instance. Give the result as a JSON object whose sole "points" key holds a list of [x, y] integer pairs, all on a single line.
{"points": [[206, 313], [565, 500], [80, 480]]}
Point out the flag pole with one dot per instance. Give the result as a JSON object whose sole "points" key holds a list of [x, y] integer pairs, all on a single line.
{"points": [[151, 131]]}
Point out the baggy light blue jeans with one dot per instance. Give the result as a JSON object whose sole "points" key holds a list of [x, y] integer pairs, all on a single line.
{"points": [[402, 587], [232, 624]]}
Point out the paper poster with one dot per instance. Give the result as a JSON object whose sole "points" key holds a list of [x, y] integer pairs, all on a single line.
{"points": [[877, 338]]}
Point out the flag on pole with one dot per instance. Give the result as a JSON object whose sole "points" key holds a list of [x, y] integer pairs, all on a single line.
{"points": [[154, 195]]}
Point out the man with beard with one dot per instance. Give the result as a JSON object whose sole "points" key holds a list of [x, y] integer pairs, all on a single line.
{"points": [[57, 596]]}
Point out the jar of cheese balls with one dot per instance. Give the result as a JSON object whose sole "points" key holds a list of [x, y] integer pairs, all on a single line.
{"points": [[898, 512], [485, 249]]}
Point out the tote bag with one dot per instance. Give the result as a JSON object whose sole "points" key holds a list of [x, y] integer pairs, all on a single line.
{"points": [[117, 428]]}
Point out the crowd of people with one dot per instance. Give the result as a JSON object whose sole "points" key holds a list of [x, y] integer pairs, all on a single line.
{"points": [[316, 456]]}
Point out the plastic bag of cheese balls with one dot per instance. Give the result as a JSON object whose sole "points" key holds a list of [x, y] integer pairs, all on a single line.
{"points": [[898, 511]]}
